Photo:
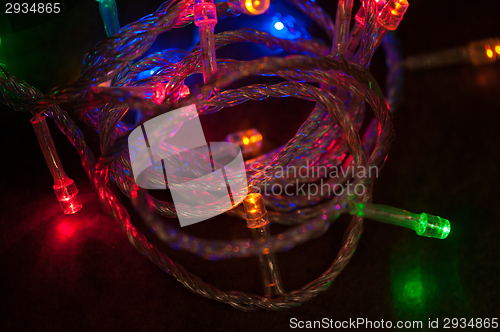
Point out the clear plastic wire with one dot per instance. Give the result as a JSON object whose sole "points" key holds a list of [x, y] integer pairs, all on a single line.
{"points": [[330, 135]]}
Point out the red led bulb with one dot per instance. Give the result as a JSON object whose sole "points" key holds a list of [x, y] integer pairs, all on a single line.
{"points": [[64, 187], [67, 195]]}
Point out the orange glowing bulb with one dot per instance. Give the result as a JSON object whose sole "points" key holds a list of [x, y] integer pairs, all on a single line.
{"points": [[250, 141], [392, 13], [257, 7], [497, 49], [489, 53], [255, 210]]}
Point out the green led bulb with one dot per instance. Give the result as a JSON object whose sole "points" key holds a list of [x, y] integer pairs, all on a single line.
{"points": [[433, 226], [423, 224]]}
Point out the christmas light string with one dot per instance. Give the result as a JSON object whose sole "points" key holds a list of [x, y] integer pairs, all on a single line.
{"points": [[478, 53], [64, 187], [111, 85]]}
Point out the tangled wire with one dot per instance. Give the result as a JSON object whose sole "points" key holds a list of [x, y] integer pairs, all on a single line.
{"points": [[340, 86]]}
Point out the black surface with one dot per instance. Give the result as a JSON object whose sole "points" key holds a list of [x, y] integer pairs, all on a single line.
{"points": [[65, 273]]}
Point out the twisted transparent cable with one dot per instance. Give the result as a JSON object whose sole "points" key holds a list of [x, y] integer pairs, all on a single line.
{"points": [[330, 135]]}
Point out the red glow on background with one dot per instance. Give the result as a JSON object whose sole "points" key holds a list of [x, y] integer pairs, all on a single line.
{"points": [[65, 230]]}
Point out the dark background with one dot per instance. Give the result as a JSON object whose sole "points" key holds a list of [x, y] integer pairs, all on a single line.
{"points": [[79, 272]]}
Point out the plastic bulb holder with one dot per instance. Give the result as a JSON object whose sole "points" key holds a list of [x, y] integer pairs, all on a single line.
{"points": [[109, 16], [64, 187], [360, 15], [258, 222], [344, 12], [67, 195], [205, 18], [423, 224]]}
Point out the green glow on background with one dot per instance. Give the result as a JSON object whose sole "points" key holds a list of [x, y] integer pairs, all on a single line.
{"points": [[425, 279], [413, 291], [410, 290]]}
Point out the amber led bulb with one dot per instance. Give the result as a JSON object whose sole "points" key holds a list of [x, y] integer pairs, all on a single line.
{"points": [[258, 222]]}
